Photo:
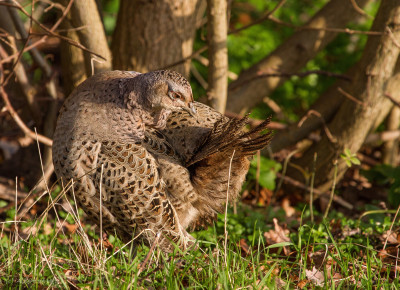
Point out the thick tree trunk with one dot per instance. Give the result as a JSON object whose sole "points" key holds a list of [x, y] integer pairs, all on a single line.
{"points": [[84, 14], [290, 56], [72, 60], [150, 35], [355, 119], [217, 33]]}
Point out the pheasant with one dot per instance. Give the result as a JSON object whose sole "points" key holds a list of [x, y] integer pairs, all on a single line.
{"points": [[157, 160]]}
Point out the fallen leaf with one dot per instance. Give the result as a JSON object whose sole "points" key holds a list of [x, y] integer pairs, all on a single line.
{"points": [[315, 276], [289, 210], [278, 235], [391, 236]]}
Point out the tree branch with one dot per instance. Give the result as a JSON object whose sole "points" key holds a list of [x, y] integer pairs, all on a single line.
{"points": [[353, 121], [291, 55]]}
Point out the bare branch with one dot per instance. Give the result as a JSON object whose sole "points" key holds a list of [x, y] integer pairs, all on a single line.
{"points": [[85, 13], [20, 123], [43, 39], [352, 122], [260, 20], [261, 75], [291, 55]]}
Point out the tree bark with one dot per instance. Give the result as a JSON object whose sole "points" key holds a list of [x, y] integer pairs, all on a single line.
{"points": [[391, 147], [85, 15], [290, 56], [150, 35], [217, 53], [353, 120], [72, 60]]}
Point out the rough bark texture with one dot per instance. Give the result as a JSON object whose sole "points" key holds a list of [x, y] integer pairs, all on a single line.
{"points": [[326, 106], [391, 147], [84, 14], [353, 121], [150, 35], [217, 54], [72, 60], [292, 55]]}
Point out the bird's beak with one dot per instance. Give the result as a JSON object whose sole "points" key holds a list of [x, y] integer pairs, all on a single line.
{"points": [[191, 109]]}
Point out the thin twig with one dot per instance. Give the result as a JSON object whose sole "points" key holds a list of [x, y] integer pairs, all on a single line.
{"points": [[350, 97], [391, 227], [262, 74], [226, 213], [149, 253], [197, 52], [20, 123], [50, 32], [329, 29], [326, 129], [333, 189], [298, 184], [16, 209], [101, 209], [396, 103], [258, 175], [260, 20], [312, 187], [358, 9]]}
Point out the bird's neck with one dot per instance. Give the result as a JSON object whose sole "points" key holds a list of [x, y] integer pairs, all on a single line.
{"points": [[155, 119]]}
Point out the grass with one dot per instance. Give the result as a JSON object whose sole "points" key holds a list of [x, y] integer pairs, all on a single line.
{"points": [[56, 251]]}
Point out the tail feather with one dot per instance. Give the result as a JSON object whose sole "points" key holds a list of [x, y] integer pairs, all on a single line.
{"points": [[210, 164], [230, 136]]}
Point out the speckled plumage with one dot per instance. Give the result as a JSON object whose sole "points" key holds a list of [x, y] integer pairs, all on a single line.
{"points": [[161, 169]]}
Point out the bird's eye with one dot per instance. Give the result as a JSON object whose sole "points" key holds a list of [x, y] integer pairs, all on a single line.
{"points": [[174, 95], [178, 96]]}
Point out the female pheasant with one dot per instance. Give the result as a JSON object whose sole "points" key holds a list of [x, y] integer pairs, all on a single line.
{"points": [[160, 159]]}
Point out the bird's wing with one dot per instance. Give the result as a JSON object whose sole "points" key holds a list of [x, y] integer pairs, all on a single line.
{"points": [[134, 191], [206, 146]]}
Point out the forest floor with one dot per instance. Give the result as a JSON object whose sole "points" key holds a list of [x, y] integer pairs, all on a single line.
{"points": [[266, 240]]}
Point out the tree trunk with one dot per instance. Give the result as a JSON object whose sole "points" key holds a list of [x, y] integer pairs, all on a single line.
{"points": [[150, 35], [217, 33], [85, 14], [355, 119], [72, 60], [290, 56]]}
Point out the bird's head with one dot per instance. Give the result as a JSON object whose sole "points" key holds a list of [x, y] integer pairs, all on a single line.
{"points": [[169, 90]]}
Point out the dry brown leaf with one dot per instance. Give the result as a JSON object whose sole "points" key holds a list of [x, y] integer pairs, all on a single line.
{"points": [[391, 236], [278, 235], [289, 210], [315, 276], [303, 283], [244, 246], [71, 228]]}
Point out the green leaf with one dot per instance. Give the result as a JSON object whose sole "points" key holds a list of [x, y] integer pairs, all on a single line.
{"points": [[280, 245]]}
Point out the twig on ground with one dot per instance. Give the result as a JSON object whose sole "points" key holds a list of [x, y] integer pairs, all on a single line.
{"points": [[101, 208], [319, 193], [332, 191], [391, 227], [312, 187], [141, 268]]}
